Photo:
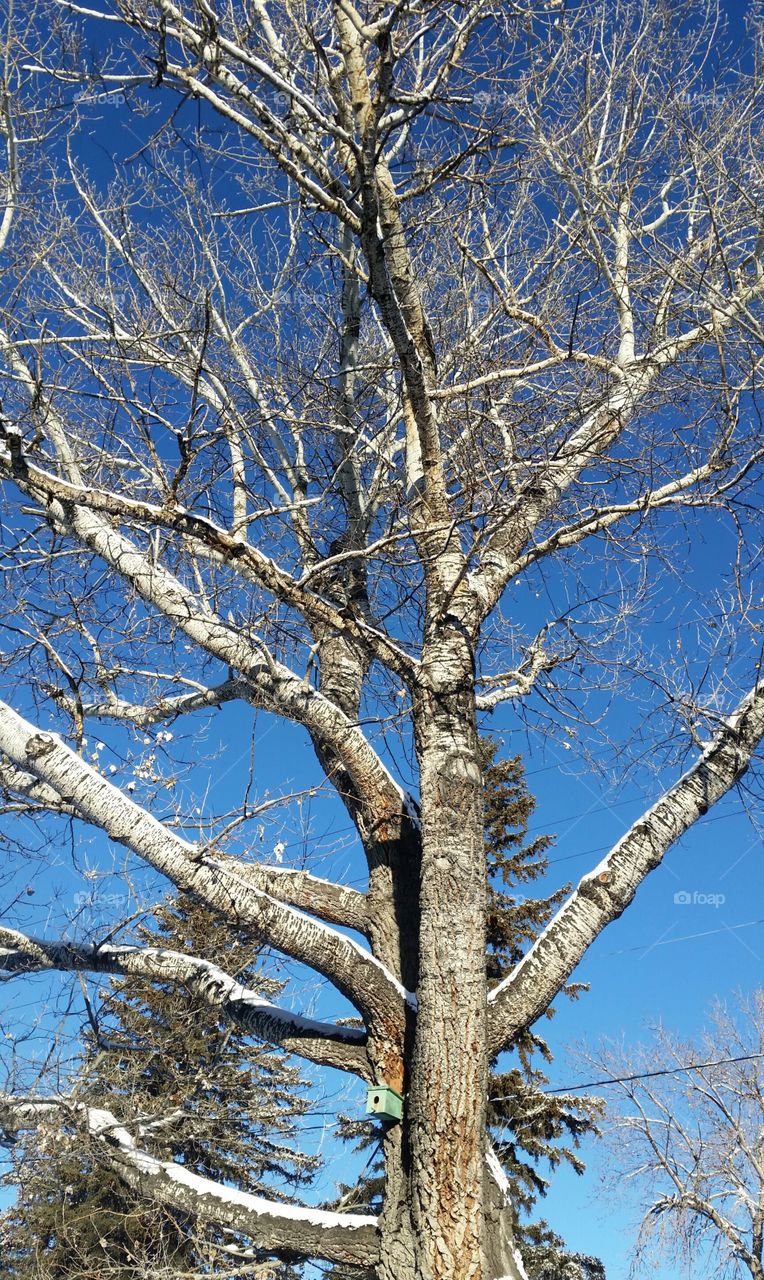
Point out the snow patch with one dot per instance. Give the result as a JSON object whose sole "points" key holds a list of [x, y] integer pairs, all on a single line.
{"points": [[103, 1124], [496, 1172]]}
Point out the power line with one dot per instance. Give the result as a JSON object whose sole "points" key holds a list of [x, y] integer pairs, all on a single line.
{"points": [[686, 937], [646, 1075], [568, 857]]}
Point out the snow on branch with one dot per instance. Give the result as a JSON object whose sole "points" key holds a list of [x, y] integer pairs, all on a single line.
{"points": [[220, 883], [607, 890], [269, 683], [280, 1228], [229, 548], [320, 1042], [329, 901], [499, 1215]]}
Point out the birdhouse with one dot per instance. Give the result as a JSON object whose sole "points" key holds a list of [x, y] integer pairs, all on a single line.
{"points": [[384, 1102]]}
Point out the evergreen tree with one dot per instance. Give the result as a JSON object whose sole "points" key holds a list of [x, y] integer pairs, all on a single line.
{"points": [[230, 1107], [529, 1128]]}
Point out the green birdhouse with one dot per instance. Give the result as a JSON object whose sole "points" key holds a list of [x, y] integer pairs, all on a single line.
{"points": [[384, 1102]]}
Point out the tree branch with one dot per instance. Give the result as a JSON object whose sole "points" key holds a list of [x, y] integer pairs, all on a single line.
{"points": [[221, 883], [604, 893], [335, 903], [279, 1228], [271, 685], [320, 1042], [230, 548], [590, 441]]}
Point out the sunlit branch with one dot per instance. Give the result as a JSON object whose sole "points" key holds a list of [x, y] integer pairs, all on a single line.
{"points": [[604, 893], [220, 883], [277, 1227], [327, 1045]]}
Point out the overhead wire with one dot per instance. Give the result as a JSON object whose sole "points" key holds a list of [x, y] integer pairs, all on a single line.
{"points": [[644, 1075]]}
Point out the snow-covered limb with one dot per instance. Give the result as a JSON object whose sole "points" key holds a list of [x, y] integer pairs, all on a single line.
{"points": [[335, 903], [229, 548], [219, 882], [269, 683], [329, 901], [320, 1042], [280, 1228], [605, 892]]}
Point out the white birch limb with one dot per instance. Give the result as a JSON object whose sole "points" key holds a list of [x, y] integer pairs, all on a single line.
{"points": [[276, 1227], [329, 901], [683, 491], [605, 892], [8, 128], [320, 1042], [220, 883], [335, 903]]}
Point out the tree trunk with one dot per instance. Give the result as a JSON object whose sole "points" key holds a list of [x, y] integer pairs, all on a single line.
{"points": [[401, 1254], [442, 1138], [445, 1216]]}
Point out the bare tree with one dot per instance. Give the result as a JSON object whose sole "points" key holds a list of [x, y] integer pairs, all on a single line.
{"points": [[324, 327], [692, 1141]]}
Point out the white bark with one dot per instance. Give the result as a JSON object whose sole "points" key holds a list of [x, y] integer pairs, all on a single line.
{"points": [[219, 882], [493, 372], [336, 1237], [605, 892], [320, 1042]]}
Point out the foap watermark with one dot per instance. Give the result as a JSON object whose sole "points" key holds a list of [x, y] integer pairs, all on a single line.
{"points": [[683, 898], [113, 95], [100, 903]]}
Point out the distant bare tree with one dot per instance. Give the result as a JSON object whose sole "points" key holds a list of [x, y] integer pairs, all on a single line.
{"points": [[334, 339], [692, 1142]]}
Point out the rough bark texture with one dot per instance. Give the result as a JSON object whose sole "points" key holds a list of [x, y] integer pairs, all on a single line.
{"points": [[447, 1087]]}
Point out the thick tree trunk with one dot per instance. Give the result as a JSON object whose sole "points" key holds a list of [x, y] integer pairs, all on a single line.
{"points": [[401, 1254], [445, 1217], [442, 1139]]}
